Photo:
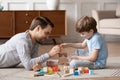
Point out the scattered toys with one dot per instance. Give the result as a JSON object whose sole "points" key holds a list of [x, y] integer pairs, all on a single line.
{"points": [[66, 71], [53, 68]]}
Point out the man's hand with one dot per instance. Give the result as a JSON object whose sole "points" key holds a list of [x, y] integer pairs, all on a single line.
{"points": [[37, 66], [55, 50]]}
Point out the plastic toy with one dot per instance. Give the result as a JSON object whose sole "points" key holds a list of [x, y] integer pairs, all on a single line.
{"points": [[86, 70], [55, 68], [75, 73], [50, 70], [91, 72], [41, 72]]}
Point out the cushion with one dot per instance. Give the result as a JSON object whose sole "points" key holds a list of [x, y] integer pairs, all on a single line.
{"points": [[110, 23], [118, 11]]}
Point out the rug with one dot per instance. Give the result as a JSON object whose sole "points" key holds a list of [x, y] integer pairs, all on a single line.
{"points": [[111, 72]]}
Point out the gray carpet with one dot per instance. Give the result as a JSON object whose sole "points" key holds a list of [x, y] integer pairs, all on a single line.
{"points": [[111, 71]]}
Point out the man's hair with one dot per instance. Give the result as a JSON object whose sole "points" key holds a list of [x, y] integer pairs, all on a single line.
{"points": [[42, 21], [85, 24]]}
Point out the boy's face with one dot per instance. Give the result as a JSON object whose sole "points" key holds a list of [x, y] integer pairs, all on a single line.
{"points": [[87, 35]]}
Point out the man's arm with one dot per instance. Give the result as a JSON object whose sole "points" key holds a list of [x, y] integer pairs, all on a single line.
{"points": [[27, 61]]}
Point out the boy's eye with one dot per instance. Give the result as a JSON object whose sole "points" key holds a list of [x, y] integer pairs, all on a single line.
{"points": [[82, 33]]}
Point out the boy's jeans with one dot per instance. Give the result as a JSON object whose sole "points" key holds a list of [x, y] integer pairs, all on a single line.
{"points": [[82, 63]]}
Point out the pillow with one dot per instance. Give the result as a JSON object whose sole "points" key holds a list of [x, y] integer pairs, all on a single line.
{"points": [[118, 11]]}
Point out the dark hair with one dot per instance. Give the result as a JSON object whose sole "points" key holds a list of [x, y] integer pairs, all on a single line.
{"points": [[85, 24], [42, 21]]}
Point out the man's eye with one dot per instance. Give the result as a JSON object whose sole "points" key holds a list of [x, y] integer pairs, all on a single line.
{"points": [[46, 33]]}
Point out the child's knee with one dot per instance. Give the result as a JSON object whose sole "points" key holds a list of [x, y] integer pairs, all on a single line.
{"points": [[73, 64]]}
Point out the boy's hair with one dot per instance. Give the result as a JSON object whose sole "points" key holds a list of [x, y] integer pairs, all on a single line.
{"points": [[85, 24], [42, 21]]}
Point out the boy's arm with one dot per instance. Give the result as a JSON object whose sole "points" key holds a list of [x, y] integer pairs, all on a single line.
{"points": [[74, 45]]}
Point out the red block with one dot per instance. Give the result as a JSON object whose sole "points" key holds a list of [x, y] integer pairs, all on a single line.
{"points": [[86, 71], [55, 68]]}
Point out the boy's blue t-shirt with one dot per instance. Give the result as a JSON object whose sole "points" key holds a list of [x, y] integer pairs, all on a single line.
{"points": [[97, 42]]}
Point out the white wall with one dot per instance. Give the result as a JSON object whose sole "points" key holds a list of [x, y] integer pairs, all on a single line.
{"points": [[74, 9]]}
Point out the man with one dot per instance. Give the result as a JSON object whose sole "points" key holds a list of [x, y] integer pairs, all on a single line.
{"points": [[23, 47]]}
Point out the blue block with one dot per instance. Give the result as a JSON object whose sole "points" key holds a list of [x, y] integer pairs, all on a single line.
{"points": [[91, 72], [76, 73], [41, 71]]}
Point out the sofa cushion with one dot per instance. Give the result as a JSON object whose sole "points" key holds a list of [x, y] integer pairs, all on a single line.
{"points": [[110, 23], [118, 11]]}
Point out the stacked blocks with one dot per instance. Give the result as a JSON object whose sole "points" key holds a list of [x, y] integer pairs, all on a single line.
{"points": [[50, 70]]}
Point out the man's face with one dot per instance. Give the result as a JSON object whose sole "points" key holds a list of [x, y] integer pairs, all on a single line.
{"points": [[86, 35], [43, 34]]}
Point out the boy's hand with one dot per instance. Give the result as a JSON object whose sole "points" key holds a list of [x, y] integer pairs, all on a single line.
{"points": [[55, 50], [37, 66], [75, 57], [63, 45]]}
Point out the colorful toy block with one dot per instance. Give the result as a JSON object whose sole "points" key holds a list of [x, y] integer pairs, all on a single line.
{"points": [[71, 71], [50, 70], [41, 72], [91, 72], [86, 70], [55, 68], [75, 73], [66, 69], [80, 70], [45, 69]]}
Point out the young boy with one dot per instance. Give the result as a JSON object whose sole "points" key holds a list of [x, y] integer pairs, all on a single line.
{"points": [[97, 54]]}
